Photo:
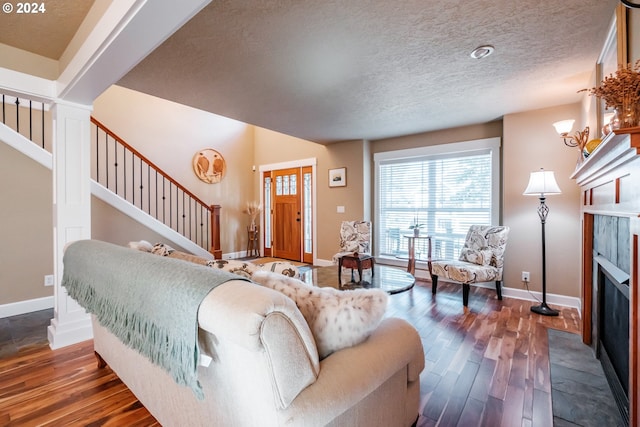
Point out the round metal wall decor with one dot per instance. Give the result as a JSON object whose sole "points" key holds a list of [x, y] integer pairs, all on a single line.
{"points": [[209, 165]]}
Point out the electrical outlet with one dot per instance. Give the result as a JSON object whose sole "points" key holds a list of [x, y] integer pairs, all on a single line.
{"points": [[48, 280], [525, 276]]}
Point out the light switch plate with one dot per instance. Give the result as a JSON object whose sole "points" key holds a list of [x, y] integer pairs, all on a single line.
{"points": [[48, 280]]}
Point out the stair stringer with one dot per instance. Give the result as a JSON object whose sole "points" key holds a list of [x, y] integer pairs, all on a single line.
{"points": [[26, 147], [147, 220]]}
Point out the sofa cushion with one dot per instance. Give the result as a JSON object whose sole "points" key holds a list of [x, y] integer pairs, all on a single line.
{"points": [[337, 319], [466, 272]]}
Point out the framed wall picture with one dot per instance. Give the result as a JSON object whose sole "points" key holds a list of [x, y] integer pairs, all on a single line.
{"points": [[338, 177]]}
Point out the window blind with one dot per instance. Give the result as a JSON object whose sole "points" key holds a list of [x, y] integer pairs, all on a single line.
{"points": [[445, 192]]}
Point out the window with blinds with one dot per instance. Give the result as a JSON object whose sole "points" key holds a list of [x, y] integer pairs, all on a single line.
{"points": [[443, 191]]}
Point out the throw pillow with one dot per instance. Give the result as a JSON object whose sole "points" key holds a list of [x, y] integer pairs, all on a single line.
{"points": [[166, 250], [142, 245], [241, 268], [285, 268], [476, 256], [337, 319]]}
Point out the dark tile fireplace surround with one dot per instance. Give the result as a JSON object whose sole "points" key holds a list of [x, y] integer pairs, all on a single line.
{"points": [[610, 304]]}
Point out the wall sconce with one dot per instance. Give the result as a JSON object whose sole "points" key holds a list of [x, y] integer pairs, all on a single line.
{"points": [[579, 139]]}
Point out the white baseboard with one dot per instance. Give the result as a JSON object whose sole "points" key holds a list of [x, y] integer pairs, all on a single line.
{"points": [[71, 331], [28, 306], [234, 255], [555, 299]]}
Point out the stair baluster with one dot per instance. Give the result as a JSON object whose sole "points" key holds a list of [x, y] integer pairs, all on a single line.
{"points": [[202, 225]]}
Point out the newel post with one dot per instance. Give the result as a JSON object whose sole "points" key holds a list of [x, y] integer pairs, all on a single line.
{"points": [[71, 214], [215, 231]]}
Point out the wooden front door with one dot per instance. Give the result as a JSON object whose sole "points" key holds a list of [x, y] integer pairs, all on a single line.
{"points": [[287, 218]]}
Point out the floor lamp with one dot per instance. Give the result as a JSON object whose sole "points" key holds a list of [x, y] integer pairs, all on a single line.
{"points": [[541, 184]]}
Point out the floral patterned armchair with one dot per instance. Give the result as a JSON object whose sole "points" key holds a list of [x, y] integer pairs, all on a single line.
{"points": [[481, 260], [355, 236]]}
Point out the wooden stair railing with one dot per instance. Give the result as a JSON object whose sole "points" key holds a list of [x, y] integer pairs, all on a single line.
{"points": [[129, 174]]}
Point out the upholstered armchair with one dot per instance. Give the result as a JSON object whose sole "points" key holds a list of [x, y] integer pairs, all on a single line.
{"points": [[355, 237], [481, 260]]}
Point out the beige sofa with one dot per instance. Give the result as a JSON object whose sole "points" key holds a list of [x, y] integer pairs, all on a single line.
{"points": [[260, 367]]}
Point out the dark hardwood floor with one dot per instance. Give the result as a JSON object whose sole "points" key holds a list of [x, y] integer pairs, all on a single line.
{"points": [[486, 366]]}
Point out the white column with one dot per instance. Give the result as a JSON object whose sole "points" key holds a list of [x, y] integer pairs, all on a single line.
{"points": [[71, 214]]}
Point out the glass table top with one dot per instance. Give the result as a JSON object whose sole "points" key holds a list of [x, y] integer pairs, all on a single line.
{"points": [[389, 279]]}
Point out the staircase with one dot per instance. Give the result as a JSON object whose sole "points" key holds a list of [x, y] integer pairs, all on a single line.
{"points": [[121, 175]]}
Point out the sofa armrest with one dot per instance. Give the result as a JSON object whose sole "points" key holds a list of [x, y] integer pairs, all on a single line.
{"points": [[392, 346], [263, 320], [349, 374]]}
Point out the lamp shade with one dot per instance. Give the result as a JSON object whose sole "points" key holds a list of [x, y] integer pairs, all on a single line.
{"points": [[563, 126], [541, 183]]}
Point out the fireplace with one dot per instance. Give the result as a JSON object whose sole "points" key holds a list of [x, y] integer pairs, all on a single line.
{"points": [[610, 299], [611, 328], [610, 208]]}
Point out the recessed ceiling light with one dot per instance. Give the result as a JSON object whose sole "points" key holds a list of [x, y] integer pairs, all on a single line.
{"points": [[482, 51]]}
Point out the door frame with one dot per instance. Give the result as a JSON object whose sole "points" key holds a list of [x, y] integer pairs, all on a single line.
{"points": [[312, 162]]}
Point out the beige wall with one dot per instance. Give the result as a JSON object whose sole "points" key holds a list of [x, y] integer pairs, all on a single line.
{"points": [[273, 148], [110, 225], [466, 133], [155, 127], [169, 134], [26, 227], [530, 143]]}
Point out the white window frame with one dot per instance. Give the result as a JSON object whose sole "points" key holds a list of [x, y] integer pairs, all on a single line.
{"points": [[491, 144]]}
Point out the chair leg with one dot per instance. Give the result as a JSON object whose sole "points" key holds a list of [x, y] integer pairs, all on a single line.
{"points": [[499, 289], [434, 284], [465, 294]]}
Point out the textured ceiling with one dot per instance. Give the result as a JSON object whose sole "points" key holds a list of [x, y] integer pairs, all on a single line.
{"points": [[339, 70], [46, 33], [335, 70]]}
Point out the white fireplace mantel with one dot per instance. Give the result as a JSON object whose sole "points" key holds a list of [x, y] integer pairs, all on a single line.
{"points": [[609, 178], [615, 150]]}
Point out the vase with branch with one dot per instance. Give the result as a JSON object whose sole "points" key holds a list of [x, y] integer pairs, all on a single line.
{"points": [[621, 92], [253, 210]]}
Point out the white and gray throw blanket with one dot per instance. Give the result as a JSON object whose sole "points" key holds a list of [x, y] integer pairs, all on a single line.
{"points": [[150, 303]]}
